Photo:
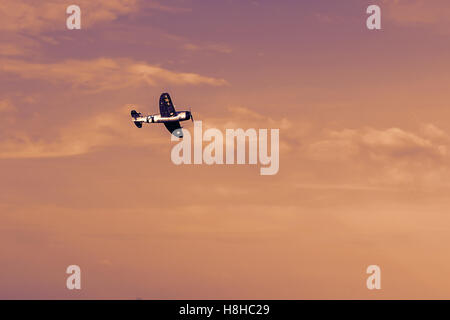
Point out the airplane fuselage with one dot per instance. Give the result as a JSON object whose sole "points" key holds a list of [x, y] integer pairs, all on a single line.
{"points": [[157, 118]]}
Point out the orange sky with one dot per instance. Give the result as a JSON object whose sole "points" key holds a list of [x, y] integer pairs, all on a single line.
{"points": [[364, 150]]}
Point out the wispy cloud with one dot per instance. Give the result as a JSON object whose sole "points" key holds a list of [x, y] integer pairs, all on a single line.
{"points": [[75, 138], [374, 157], [39, 16], [375, 143], [6, 106], [418, 12], [104, 73], [211, 47]]}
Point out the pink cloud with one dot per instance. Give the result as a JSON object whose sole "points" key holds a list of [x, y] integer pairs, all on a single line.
{"points": [[38, 16], [407, 12], [104, 74]]}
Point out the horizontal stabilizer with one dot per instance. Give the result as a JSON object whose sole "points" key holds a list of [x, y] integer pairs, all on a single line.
{"points": [[135, 115]]}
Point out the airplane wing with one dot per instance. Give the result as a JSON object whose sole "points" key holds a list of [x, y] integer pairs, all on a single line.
{"points": [[174, 128], [166, 107]]}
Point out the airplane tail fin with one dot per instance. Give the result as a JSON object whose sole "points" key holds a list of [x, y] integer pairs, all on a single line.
{"points": [[135, 115]]}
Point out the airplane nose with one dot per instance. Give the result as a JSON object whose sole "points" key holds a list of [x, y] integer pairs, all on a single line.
{"points": [[189, 116]]}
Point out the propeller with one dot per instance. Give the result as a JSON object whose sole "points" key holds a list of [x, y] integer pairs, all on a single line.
{"points": [[192, 117]]}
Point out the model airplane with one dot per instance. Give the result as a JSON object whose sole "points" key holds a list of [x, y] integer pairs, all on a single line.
{"points": [[168, 116]]}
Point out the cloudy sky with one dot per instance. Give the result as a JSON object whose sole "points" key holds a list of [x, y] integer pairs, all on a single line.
{"points": [[364, 149]]}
